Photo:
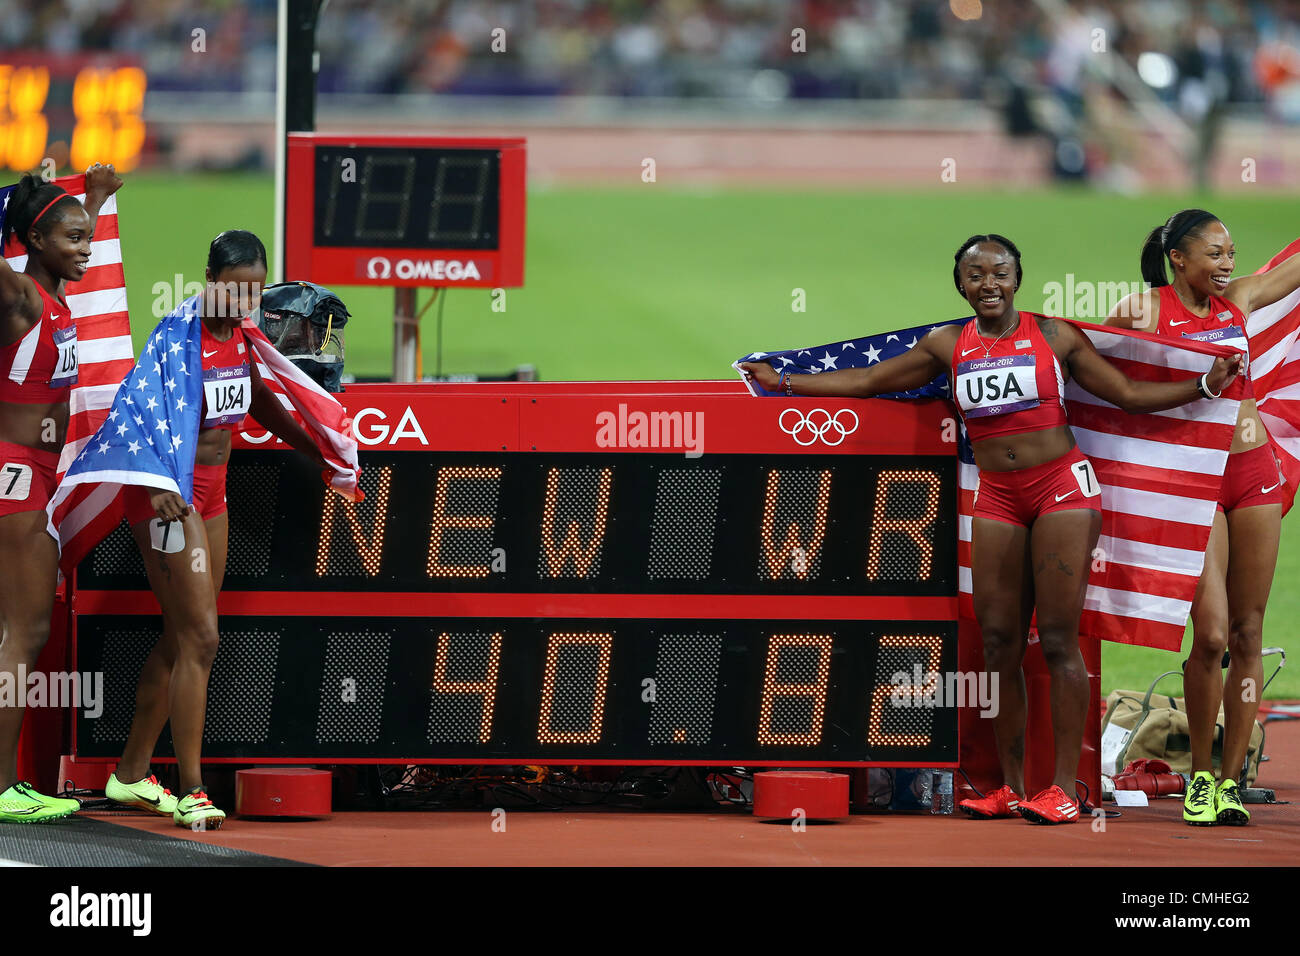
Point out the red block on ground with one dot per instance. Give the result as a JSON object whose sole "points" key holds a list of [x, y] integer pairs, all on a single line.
{"points": [[819, 794], [282, 792]]}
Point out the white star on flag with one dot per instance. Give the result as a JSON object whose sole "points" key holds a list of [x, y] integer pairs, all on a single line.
{"points": [[180, 404], [140, 384], [103, 448], [112, 416], [828, 361], [847, 345], [134, 448], [171, 383], [873, 354], [153, 403], [176, 347], [162, 425], [176, 442], [121, 429]]}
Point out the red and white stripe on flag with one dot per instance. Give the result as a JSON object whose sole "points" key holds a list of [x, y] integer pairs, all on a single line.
{"points": [[314, 408], [1160, 474], [98, 305], [1275, 369]]}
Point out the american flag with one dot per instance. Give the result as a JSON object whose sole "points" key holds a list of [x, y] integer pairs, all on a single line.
{"points": [[98, 305], [1275, 367], [1160, 475], [151, 429]]}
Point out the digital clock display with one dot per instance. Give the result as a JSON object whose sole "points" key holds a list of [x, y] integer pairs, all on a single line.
{"points": [[511, 589], [407, 199], [405, 210]]}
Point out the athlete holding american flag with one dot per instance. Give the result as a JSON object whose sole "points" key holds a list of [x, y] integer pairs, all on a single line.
{"points": [[1037, 513], [38, 367], [160, 458], [1205, 303]]}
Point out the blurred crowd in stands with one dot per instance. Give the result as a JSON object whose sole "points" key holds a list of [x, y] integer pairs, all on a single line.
{"points": [[1235, 51]]}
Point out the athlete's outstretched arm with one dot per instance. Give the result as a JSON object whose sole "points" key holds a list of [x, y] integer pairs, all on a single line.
{"points": [[270, 414], [1095, 373], [914, 368], [1256, 291]]}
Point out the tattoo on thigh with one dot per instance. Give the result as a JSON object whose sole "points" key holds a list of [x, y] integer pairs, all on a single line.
{"points": [[1051, 557]]}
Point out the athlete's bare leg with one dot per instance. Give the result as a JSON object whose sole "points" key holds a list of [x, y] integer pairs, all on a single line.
{"points": [[26, 603], [183, 584], [1253, 536], [1062, 543], [1003, 594], [1203, 673]]}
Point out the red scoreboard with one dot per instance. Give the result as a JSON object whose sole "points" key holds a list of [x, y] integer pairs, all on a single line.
{"points": [[405, 210], [664, 573]]}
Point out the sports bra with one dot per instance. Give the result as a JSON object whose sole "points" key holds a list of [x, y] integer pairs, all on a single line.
{"points": [[41, 367], [1010, 386], [227, 381], [1225, 325]]}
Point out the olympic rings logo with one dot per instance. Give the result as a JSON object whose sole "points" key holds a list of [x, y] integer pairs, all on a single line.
{"points": [[809, 429]]}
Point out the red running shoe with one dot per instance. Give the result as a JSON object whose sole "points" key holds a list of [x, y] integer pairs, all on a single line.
{"points": [[1001, 803], [1050, 806]]}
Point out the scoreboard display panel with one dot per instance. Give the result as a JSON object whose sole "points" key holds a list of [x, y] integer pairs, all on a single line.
{"points": [[665, 573], [405, 211]]}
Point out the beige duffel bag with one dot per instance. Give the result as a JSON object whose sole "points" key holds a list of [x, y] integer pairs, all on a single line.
{"points": [[1153, 726]]}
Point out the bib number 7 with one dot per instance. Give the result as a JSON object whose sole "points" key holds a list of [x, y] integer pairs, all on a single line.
{"points": [[166, 536], [15, 481], [1086, 478]]}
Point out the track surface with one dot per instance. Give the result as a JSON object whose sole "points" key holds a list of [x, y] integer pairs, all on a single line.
{"points": [[1150, 836]]}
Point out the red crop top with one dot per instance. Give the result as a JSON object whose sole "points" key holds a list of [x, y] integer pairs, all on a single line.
{"points": [[1010, 386], [1225, 325], [227, 381], [41, 367]]}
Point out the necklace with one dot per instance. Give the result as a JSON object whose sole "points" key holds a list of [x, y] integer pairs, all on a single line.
{"points": [[988, 349]]}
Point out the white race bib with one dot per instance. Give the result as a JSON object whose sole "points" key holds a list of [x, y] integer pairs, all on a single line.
{"points": [[228, 393], [15, 481], [1086, 477], [166, 536], [997, 386], [65, 365]]}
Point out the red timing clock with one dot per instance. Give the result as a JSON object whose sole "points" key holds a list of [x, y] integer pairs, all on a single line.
{"points": [[405, 211]]}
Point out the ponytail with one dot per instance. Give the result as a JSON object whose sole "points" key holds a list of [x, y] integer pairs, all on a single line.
{"points": [[1153, 259]]}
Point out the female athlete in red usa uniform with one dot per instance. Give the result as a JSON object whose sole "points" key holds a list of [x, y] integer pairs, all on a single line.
{"points": [[1205, 303], [174, 680], [38, 366], [1037, 509]]}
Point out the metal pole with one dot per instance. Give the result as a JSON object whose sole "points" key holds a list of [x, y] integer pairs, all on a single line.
{"points": [[406, 334], [297, 63]]}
